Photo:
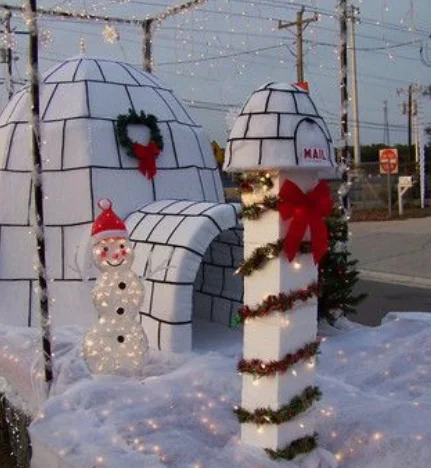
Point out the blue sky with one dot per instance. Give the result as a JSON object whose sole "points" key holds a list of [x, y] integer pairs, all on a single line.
{"points": [[214, 56]]}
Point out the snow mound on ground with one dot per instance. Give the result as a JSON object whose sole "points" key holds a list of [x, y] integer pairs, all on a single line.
{"points": [[377, 386], [375, 410], [181, 416]]}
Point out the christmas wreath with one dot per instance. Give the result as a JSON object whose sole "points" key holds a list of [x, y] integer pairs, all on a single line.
{"points": [[146, 154]]}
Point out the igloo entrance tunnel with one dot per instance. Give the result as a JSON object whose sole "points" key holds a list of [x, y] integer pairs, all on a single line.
{"points": [[173, 218]]}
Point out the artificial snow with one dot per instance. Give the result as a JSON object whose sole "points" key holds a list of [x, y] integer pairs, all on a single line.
{"points": [[375, 410]]}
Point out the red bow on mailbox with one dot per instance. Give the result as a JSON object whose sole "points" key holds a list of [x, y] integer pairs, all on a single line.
{"points": [[147, 155], [306, 210]]}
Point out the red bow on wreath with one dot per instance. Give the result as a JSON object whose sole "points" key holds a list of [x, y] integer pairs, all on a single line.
{"points": [[306, 210], [147, 155]]}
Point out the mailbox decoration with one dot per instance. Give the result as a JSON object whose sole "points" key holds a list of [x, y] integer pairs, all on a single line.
{"points": [[280, 145]]}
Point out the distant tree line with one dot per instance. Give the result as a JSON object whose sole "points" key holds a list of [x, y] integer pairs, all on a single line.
{"points": [[370, 153]]}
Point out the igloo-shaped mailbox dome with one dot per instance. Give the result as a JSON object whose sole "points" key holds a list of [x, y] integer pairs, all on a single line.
{"points": [[279, 127]]}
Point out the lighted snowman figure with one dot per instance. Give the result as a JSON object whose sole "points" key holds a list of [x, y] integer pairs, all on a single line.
{"points": [[117, 344]]}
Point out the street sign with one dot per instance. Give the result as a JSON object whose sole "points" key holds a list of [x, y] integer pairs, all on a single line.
{"points": [[388, 161], [405, 181]]}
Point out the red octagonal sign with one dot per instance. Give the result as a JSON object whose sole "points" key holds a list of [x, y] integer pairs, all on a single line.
{"points": [[388, 161]]}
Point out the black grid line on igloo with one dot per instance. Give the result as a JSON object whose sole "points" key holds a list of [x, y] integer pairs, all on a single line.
{"points": [[74, 182], [218, 291], [81, 135], [18, 278], [176, 234], [82, 96], [269, 122], [55, 83]]}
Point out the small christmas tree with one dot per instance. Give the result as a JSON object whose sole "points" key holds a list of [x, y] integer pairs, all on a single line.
{"points": [[337, 273]]}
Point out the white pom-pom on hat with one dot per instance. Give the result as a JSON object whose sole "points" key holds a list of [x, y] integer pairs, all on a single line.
{"points": [[104, 204]]}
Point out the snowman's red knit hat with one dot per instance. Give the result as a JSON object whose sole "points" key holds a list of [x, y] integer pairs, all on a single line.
{"points": [[107, 224]]}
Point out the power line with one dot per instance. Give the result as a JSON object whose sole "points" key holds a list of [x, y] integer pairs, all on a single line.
{"points": [[293, 6], [223, 56], [261, 49], [324, 44], [236, 32], [363, 124], [319, 43], [368, 49], [257, 51], [218, 106], [257, 54]]}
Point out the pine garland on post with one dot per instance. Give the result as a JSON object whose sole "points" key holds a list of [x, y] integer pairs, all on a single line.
{"points": [[278, 304], [297, 447], [297, 405], [337, 273]]}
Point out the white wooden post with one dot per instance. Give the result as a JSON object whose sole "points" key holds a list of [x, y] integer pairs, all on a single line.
{"points": [[271, 338], [280, 136]]}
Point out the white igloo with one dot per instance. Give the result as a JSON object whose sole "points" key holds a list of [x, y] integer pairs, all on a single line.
{"points": [[172, 218]]}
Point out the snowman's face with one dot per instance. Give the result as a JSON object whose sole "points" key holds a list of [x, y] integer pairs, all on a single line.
{"points": [[114, 253]]}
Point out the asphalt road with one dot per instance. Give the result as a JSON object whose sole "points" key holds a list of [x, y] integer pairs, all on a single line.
{"points": [[384, 297]]}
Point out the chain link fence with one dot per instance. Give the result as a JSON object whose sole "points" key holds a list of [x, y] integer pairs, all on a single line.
{"points": [[370, 189]]}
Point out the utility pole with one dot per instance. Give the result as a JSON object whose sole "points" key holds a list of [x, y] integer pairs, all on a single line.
{"points": [[7, 54], [415, 129], [386, 137], [300, 24], [343, 82], [344, 156], [410, 109], [147, 27], [353, 12], [409, 116], [421, 147]]}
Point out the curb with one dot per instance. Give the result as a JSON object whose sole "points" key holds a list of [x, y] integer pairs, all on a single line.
{"points": [[381, 277]]}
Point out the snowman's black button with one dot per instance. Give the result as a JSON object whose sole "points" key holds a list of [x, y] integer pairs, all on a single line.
{"points": [[120, 339], [122, 285], [120, 311]]}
